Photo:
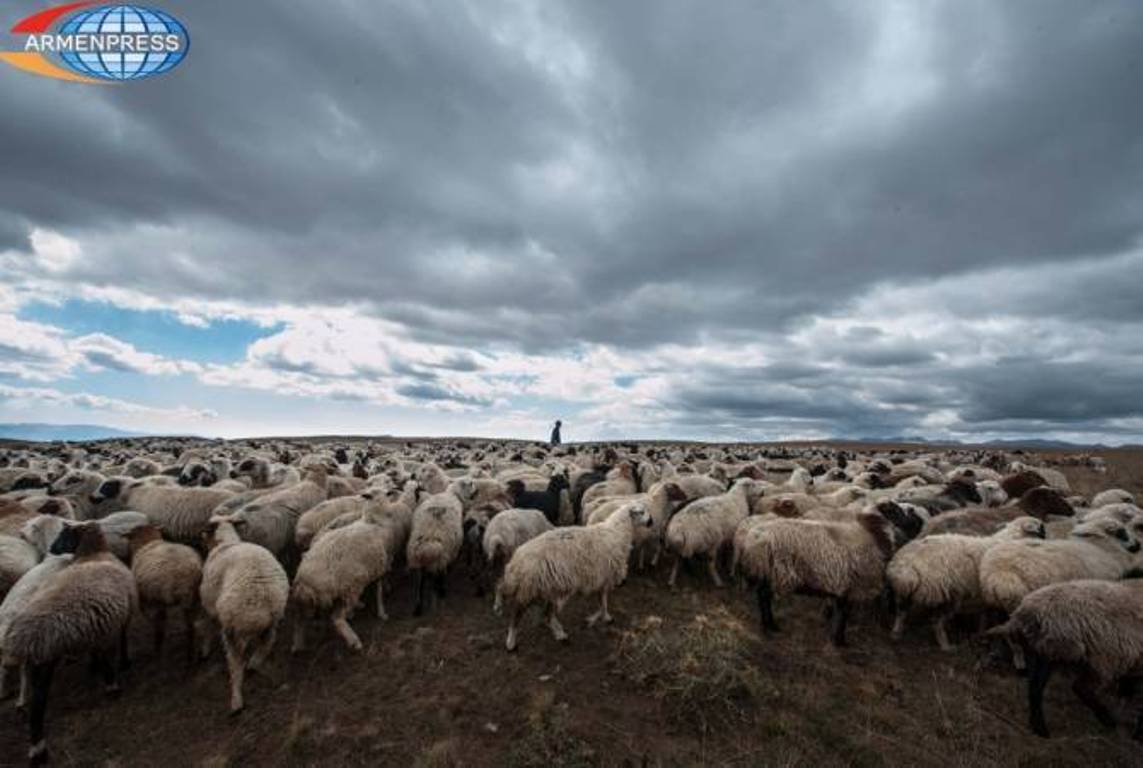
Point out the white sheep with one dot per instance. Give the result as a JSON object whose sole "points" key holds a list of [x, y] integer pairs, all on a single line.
{"points": [[505, 533], [435, 541], [1093, 626], [1098, 549], [270, 520], [14, 602], [706, 525], [567, 561], [168, 576], [1112, 496], [17, 557], [84, 607], [244, 590], [336, 570], [942, 573], [844, 561], [181, 513]]}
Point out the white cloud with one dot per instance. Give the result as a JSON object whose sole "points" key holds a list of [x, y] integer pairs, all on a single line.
{"points": [[15, 398]]}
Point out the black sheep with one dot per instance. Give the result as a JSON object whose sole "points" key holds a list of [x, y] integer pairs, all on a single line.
{"points": [[547, 501]]}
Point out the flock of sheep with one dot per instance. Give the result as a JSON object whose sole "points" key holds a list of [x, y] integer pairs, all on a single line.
{"points": [[226, 536]]}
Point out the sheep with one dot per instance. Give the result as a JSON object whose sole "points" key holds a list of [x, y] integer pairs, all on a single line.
{"points": [[322, 514], [42, 530], [77, 486], [986, 521], [621, 481], [17, 557], [1093, 625], [1019, 483], [697, 486], [1099, 549], [181, 513], [662, 499], [567, 561], [335, 571], [547, 501], [271, 519], [431, 478], [991, 494], [706, 525], [263, 474], [50, 505], [13, 603], [1052, 477], [1112, 496], [505, 532], [434, 542], [844, 561], [244, 590], [168, 576], [943, 572], [83, 607]]}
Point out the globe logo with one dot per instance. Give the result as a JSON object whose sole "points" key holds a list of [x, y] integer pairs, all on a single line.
{"points": [[100, 43], [124, 65]]}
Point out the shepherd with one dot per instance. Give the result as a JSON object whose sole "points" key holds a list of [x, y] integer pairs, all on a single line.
{"points": [[556, 433]]}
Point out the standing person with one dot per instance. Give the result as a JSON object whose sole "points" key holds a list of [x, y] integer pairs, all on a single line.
{"points": [[556, 433]]}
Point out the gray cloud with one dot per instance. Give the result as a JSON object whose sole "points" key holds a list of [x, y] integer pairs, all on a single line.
{"points": [[633, 174]]}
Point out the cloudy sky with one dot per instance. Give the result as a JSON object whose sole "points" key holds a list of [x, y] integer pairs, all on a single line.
{"points": [[731, 220]]}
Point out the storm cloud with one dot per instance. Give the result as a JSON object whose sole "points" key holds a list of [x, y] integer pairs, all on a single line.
{"points": [[747, 219]]}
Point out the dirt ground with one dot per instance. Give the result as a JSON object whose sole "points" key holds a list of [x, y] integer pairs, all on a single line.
{"points": [[654, 688]]}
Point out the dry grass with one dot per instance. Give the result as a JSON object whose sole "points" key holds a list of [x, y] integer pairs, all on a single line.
{"points": [[703, 672]]}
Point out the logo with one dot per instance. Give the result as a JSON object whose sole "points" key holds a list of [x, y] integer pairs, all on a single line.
{"points": [[90, 43]]}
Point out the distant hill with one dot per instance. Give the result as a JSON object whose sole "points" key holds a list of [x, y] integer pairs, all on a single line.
{"points": [[47, 432]]}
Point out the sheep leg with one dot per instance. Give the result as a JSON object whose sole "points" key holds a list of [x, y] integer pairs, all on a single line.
{"points": [[159, 623], [419, 591], [674, 572], [41, 680], [712, 568], [299, 643], [656, 550], [189, 625], [942, 631], [1018, 659], [766, 606], [900, 620], [514, 627], [262, 651], [105, 660], [25, 686], [237, 670], [381, 601], [341, 625], [441, 583], [124, 656], [498, 602], [838, 621], [602, 612], [1085, 688], [1039, 670], [554, 622]]}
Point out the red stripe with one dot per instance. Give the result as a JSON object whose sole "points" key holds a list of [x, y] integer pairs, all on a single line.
{"points": [[39, 22]]}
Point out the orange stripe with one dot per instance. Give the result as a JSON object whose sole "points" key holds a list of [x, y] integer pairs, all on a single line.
{"points": [[30, 61]]}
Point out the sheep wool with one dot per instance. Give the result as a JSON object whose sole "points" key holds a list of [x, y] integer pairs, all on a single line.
{"points": [[168, 576], [244, 589], [563, 562], [1095, 626], [943, 572], [706, 525], [1100, 549]]}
